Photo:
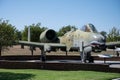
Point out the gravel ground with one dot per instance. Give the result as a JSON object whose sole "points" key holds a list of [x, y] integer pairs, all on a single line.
{"points": [[16, 50]]}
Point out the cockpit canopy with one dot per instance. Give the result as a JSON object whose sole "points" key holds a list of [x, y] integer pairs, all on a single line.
{"points": [[89, 28]]}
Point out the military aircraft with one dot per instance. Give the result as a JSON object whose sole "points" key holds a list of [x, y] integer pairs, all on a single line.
{"points": [[85, 40]]}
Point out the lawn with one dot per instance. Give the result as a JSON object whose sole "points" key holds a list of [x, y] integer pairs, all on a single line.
{"points": [[35, 74]]}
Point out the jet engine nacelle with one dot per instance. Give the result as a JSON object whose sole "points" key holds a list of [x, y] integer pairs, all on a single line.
{"points": [[49, 36]]}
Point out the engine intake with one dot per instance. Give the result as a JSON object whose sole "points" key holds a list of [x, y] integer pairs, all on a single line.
{"points": [[49, 36]]}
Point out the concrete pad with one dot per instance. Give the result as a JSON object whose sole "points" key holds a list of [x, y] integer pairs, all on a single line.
{"points": [[116, 79], [112, 64]]}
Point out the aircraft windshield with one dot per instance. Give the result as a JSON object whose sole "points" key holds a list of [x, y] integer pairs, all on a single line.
{"points": [[89, 28], [93, 28]]}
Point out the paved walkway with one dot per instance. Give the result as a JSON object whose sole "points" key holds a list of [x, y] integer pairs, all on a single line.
{"points": [[112, 64]]}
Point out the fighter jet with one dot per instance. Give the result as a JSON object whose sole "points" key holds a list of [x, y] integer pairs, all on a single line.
{"points": [[84, 40]]}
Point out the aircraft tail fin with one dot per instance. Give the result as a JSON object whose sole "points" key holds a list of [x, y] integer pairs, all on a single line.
{"points": [[28, 34]]}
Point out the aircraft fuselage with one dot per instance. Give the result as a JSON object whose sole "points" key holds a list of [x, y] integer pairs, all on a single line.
{"points": [[73, 40]]}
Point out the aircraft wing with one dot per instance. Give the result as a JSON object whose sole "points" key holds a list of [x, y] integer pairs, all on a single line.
{"points": [[112, 45], [45, 46]]}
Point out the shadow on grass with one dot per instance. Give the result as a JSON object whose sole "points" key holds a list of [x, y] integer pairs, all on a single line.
{"points": [[15, 76]]}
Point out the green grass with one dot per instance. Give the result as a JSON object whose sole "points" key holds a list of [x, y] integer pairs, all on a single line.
{"points": [[34, 74]]}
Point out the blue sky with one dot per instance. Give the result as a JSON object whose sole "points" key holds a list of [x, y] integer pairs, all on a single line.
{"points": [[54, 14]]}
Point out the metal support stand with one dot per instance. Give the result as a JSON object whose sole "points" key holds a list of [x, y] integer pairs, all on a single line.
{"points": [[104, 60], [31, 49], [32, 52], [82, 54], [43, 55], [66, 53]]}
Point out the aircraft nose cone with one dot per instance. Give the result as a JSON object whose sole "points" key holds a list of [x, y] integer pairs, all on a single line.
{"points": [[102, 38], [99, 38]]}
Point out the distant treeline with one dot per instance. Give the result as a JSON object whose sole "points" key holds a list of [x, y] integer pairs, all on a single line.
{"points": [[37, 29]]}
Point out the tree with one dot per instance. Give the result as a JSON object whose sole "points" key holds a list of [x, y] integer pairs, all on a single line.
{"points": [[65, 29], [18, 35], [35, 30], [103, 33], [7, 34], [114, 35]]}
